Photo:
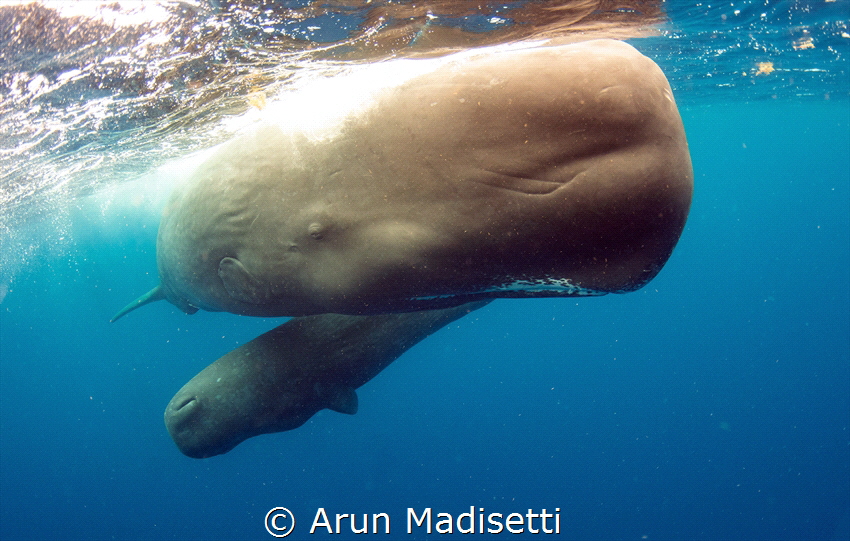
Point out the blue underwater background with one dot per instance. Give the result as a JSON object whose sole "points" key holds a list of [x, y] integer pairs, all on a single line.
{"points": [[712, 404]]}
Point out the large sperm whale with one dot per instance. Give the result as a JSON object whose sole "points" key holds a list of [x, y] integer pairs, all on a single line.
{"points": [[546, 171]]}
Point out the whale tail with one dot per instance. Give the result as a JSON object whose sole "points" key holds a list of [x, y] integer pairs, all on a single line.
{"points": [[155, 294]]}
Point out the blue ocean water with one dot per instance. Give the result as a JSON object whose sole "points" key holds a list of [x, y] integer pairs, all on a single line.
{"points": [[712, 404]]}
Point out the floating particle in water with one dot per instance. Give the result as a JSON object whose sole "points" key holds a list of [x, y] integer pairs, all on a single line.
{"points": [[765, 68], [804, 43]]}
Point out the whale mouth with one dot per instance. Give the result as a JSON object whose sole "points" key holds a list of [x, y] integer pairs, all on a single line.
{"points": [[185, 421], [542, 287], [189, 402]]}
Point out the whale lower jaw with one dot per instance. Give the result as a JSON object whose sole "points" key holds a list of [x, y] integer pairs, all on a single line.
{"points": [[543, 287]]}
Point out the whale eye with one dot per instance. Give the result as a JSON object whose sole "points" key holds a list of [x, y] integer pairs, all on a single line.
{"points": [[293, 248], [316, 231]]}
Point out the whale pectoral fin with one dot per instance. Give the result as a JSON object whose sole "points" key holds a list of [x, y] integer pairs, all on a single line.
{"points": [[339, 398], [155, 294], [241, 284]]}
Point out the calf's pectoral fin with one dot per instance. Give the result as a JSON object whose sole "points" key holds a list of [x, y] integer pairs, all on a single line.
{"points": [[339, 398], [241, 284]]}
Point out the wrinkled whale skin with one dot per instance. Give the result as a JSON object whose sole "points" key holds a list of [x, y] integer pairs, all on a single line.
{"points": [[553, 171]]}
